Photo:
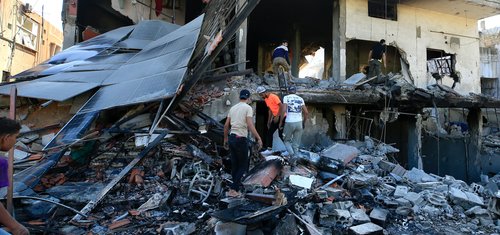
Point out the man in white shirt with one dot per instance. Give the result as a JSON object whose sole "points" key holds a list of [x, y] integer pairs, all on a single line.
{"points": [[296, 116], [239, 121]]}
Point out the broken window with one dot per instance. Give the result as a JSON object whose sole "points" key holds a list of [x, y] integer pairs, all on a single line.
{"points": [[27, 32], [440, 63], [384, 9]]}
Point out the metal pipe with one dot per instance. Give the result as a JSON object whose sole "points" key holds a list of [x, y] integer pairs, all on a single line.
{"points": [[334, 180], [10, 169], [49, 201]]}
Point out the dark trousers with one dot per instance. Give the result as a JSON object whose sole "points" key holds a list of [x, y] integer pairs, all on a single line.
{"points": [[238, 146], [375, 70], [272, 128]]}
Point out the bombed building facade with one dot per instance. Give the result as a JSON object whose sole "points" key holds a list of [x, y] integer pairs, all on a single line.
{"points": [[142, 89]]}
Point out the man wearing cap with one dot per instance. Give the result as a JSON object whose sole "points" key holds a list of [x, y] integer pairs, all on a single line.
{"points": [[273, 104], [375, 58], [238, 123], [280, 57], [296, 116]]}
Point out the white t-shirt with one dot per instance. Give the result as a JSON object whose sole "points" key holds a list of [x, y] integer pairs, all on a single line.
{"points": [[294, 108]]}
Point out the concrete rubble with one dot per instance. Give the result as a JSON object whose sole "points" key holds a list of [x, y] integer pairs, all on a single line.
{"points": [[350, 187]]}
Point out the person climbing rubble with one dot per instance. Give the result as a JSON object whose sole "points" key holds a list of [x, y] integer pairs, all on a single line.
{"points": [[238, 123], [280, 58], [296, 116], [9, 130], [375, 58]]}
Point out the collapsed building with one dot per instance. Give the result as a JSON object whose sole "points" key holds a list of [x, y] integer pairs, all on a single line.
{"points": [[136, 89]]}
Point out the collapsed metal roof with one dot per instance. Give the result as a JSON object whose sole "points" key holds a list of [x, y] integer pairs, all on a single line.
{"points": [[116, 62]]}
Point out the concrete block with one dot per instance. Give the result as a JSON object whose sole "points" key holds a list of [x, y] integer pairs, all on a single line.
{"points": [[403, 202], [465, 199], [301, 181], [431, 211], [418, 176], [386, 166], [366, 229], [401, 191], [341, 152], [336, 218], [379, 216], [399, 170], [222, 228], [415, 198], [359, 216]]}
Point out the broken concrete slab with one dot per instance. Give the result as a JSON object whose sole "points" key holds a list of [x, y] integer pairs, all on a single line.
{"points": [[264, 173], [400, 191], [415, 198], [230, 228], [418, 176], [341, 152], [366, 229], [359, 216], [301, 181], [379, 216]]}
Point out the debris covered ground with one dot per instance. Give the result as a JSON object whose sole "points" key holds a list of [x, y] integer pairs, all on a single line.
{"points": [[178, 187]]}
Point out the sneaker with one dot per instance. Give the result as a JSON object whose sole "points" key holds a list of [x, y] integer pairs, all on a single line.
{"points": [[267, 152]]}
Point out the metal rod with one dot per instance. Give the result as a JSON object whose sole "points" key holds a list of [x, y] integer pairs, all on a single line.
{"points": [[306, 223], [225, 66], [10, 171], [49, 201], [93, 203], [333, 181]]}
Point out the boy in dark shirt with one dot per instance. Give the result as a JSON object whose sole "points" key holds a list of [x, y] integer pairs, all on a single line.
{"points": [[375, 58], [9, 130]]}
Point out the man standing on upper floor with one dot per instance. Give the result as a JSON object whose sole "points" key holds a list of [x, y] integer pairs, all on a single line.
{"points": [[375, 58], [280, 57], [296, 116], [273, 103]]}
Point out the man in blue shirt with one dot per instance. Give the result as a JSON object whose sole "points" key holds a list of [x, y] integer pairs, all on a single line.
{"points": [[280, 57]]}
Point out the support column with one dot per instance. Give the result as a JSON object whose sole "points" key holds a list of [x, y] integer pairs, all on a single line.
{"points": [[241, 42], [340, 121], [260, 62], [472, 155], [339, 41], [296, 50], [415, 143]]}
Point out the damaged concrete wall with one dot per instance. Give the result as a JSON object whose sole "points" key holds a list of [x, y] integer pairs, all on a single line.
{"points": [[145, 10], [415, 31]]}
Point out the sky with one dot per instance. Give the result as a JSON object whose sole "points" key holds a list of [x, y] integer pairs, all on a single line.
{"points": [[51, 10], [492, 22]]}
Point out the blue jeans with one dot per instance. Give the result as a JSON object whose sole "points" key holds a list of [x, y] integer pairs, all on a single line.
{"points": [[3, 232], [238, 146]]}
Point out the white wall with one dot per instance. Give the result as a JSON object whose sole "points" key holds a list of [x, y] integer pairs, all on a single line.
{"points": [[137, 12], [404, 32]]}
